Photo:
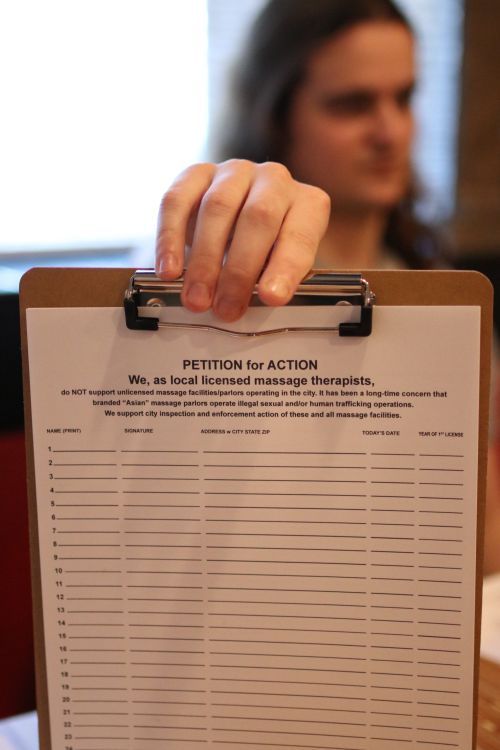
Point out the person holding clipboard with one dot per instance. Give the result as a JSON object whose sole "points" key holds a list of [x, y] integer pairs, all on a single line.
{"points": [[317, 171], [321, 113]]}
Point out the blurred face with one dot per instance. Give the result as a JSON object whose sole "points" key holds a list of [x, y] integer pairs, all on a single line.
{"points": [[350, 121]]}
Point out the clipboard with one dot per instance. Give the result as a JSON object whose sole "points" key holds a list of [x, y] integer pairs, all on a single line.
{"points": [[96, 288]]}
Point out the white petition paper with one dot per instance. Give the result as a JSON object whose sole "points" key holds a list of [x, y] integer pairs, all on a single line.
{"points": [[257, 543]]}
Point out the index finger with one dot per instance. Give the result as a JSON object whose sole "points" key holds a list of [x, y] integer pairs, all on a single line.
{"points": [[178, 205]]}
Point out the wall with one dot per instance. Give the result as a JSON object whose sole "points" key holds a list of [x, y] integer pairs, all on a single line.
{"points": [[477, 220]]}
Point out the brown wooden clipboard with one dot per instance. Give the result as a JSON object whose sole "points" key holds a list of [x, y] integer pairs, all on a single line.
{"points": [[65, 287]]}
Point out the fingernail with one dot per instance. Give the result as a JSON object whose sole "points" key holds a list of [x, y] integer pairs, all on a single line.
{"points": [[279, 287], [168, 265], [228, 308], [198, 295]]}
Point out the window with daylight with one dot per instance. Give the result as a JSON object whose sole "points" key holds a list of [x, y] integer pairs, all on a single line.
{"points": [[102, 104]]}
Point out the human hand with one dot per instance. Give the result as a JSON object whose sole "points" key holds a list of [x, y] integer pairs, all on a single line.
{"points": [[245, 223]]}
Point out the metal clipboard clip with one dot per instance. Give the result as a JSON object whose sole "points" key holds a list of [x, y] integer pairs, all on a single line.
{"points": [[318, 287]]}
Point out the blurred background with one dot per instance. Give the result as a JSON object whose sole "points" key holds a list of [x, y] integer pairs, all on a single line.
{"points": [[104, 101]]}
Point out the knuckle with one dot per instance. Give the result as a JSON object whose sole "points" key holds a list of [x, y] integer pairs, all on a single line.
{"points": [[176, 195], [173, 200], [195, 170], [300, 239], [238, 165], [262, 212], [323, 199], [219, 202], [276, 169], [320, 197]]}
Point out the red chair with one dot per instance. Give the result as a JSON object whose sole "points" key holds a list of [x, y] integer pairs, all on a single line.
{"points": [[17, 681]]}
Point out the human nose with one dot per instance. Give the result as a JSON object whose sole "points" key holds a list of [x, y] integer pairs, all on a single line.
{"points": [[391, 124]]}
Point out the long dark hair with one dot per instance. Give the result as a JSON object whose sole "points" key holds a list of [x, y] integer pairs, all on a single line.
{"points": [[280, 42]]}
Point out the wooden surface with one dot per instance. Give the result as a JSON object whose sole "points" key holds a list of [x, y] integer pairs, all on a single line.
{"points": [[488, 724]]}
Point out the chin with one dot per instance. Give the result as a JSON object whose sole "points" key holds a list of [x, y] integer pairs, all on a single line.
{"points": [[385, 188], [386, 197]]}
